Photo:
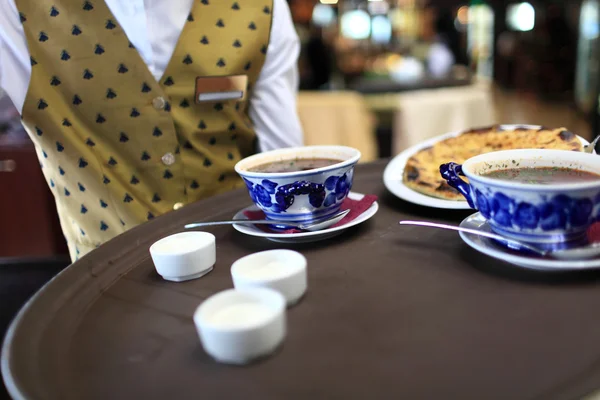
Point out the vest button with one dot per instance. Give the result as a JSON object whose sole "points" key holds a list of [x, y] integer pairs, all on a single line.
{"points": [[168, 159], [177, 206], [159, 103]]}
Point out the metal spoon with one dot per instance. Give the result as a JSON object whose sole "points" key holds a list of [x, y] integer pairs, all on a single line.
{"points": [[315, 225], [592, 146], [577, 253]]}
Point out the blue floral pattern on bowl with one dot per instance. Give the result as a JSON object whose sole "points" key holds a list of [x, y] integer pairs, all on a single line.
{"points": [[534, 215], [300, 196], [274, 198]]}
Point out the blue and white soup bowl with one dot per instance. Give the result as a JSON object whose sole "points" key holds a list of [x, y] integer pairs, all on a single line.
{"points": [[544, 214], [300, 196]]}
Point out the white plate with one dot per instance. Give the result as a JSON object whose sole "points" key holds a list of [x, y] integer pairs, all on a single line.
{"points": [[394, 171], [304, 237], [489, 247]]}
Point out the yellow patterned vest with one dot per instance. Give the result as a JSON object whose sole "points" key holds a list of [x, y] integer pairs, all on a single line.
{"points": [[117, 147]]}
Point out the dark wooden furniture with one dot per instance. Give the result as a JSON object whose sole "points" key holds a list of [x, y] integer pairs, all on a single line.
{"points": [[30, 225]]}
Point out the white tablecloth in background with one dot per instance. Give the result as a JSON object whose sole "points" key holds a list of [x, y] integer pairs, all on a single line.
{"points": [[338, 118], [424, 114]]}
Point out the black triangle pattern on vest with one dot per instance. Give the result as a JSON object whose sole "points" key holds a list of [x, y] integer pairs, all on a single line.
{"points": [[98, 91]]}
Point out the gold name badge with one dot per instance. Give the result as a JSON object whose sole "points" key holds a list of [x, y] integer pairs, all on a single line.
{"points": [[221, 88]]}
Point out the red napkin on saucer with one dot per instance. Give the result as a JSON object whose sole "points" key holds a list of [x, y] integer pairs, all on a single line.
{"points": [[356, 207], [594, 232]]}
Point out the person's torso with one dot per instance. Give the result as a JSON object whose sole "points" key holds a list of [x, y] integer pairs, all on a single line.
{"points": [[118, 147]]}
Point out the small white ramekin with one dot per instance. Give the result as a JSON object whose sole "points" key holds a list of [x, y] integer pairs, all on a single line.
{"points": [[238, 326], [281, 270], [184, 256]]}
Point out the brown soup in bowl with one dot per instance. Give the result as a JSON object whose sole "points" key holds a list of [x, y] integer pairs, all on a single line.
{"points": [[295, 165], [543, 175]]}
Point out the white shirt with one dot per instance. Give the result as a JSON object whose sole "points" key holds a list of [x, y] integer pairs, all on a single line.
{"points": [[153, 26]]}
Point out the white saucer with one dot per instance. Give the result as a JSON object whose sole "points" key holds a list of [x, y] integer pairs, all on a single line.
{"points": [[489, 247], [303, 237]]}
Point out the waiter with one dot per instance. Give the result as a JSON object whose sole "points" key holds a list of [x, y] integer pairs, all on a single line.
{"points": [[139, 107]]}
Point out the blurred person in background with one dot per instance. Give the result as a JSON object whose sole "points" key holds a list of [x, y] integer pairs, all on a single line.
{"points": [[318, 58], [445, 50], [139, 107]]}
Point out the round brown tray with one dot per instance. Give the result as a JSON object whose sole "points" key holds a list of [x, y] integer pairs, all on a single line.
{"points": [[391, 312]]}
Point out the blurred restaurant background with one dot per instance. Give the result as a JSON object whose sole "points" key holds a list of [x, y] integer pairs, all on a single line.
{"points": [[382, 76]]}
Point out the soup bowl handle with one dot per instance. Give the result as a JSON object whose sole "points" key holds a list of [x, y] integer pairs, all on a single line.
{"points": [[451, 173]]}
